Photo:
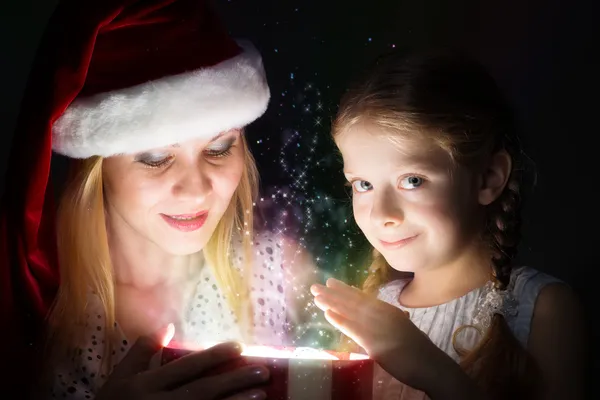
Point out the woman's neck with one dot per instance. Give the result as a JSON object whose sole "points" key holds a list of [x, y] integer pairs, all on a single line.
{"points": [[143, 265], [442, 284], [152, 286]]}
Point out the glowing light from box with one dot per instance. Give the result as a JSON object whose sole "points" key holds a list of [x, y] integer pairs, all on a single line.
{"points": [[168, 335], [357, 356], [299, 352], [305, 353]]}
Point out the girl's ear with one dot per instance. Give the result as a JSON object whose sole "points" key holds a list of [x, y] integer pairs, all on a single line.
{"points": [[495, 177]]}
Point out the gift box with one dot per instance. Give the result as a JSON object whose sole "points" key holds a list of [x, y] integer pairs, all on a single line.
{"points": [[302, 373]]}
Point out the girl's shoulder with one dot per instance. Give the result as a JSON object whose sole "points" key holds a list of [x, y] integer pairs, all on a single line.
{"points": [[390, 291], [526, 284], [522, 274], [518, 302]]}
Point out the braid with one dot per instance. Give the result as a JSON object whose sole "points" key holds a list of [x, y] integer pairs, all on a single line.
{"points": [[378, 273], [500, 365], [504, 222]]}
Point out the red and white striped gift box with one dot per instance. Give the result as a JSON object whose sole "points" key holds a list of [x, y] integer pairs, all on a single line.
{"points": [[321, 375]]}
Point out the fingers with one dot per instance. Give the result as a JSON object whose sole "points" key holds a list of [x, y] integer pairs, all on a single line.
{"points": [[138, 357], [342, 287], [346, 326], [334, 284], [191, 366], [340, 300], [215, 387], [339, 288]]}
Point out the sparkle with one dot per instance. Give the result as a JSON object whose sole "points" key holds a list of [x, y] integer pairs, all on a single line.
{"points": [[302, 206]]}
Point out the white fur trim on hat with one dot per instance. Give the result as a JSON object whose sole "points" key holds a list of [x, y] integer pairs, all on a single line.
{"points": [[196, 104]]}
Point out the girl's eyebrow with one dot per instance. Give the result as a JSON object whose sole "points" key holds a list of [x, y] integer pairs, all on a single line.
{"points": [[416, 166]]}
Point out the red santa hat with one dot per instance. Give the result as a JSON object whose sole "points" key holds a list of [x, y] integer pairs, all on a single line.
{"points": [[110, 77], [161, 73]]}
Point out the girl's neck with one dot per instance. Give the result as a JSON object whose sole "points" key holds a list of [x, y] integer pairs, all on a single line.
{"points": [[442, 284]]}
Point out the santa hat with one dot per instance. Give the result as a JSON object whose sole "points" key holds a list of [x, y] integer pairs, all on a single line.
{"points": [[161, 73], [110, 77]]}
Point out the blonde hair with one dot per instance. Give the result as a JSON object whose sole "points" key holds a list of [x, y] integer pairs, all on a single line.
{"points": [[451, 101], [85, 262]]}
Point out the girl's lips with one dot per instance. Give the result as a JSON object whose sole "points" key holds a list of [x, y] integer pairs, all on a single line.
{"points": [[397, 244]]}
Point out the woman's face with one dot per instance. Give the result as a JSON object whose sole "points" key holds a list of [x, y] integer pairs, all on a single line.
{"points": [[172, 197]]}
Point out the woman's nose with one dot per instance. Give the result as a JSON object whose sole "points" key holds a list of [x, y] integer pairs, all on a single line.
{"points": [[193, 184]]}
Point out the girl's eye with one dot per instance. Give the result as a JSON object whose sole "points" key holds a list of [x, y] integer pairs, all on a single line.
{"points": [[411, 182], [220, 150], [154, 161], [361, 186]]}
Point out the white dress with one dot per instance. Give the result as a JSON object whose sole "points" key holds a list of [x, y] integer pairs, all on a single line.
{"points": [[441, 321], [207, 319]]}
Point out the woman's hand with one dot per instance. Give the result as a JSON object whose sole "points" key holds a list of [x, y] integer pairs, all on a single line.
{"points": [[182, 379], [388, 336]]}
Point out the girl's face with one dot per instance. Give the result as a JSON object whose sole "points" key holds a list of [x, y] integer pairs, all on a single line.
{"points": [[413, 203], [173, 197]]}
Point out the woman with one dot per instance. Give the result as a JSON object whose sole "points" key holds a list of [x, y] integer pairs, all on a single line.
{"points": [[154, 227]]}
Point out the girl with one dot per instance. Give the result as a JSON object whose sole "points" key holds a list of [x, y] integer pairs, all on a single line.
{"points": [[431, 152], [154, 227]]}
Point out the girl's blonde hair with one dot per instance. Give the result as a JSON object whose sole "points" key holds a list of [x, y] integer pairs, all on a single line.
{"points": [[452, 101], [85, 262]]}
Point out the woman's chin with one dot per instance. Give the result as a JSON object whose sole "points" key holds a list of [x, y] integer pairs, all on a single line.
{"points": [[183, 247]]}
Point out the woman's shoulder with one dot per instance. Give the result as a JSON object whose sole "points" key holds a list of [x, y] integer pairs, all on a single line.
{"points": [[263, 241], [269, 245], [81, 368], [267, 248]]}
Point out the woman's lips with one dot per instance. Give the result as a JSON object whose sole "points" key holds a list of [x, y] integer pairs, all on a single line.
{"points": [[186, 222]]}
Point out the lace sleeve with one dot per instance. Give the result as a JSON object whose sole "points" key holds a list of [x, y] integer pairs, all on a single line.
{"points": [[78, 374], [82, 370]]}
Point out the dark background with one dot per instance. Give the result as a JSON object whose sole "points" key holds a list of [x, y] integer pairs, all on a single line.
{"points": [[541, 52]]}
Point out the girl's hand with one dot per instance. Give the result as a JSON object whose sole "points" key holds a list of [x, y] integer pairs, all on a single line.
{"points": [[387, 335], [182, 378]]}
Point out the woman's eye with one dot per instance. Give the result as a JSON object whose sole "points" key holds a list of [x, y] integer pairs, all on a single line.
{"points": [[411, 182], [361, 186], [220, 150], [154, 161]]}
